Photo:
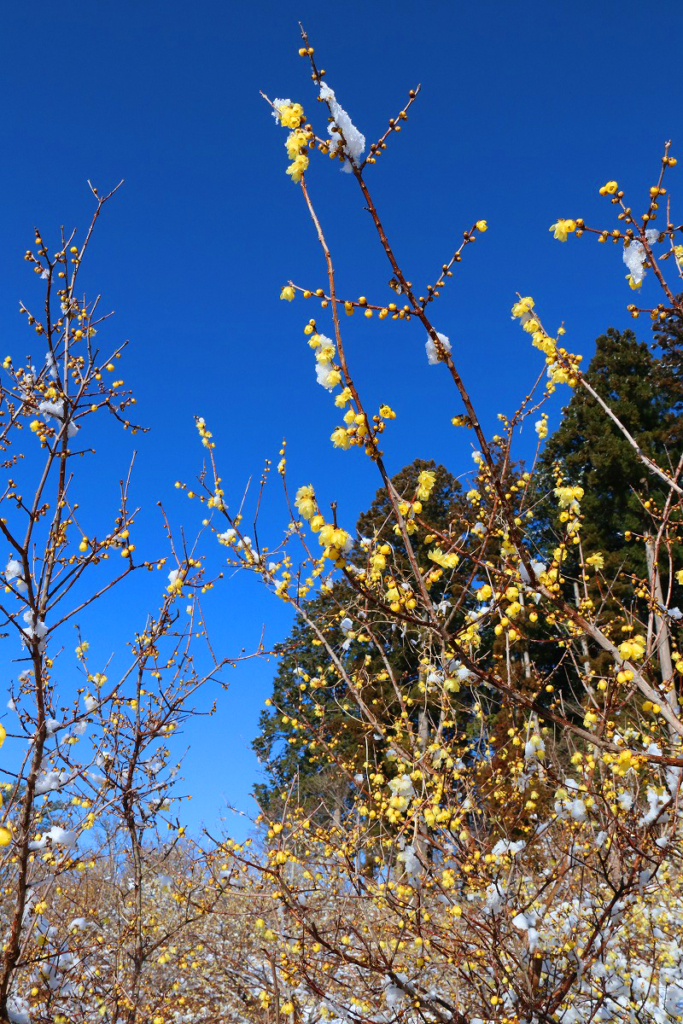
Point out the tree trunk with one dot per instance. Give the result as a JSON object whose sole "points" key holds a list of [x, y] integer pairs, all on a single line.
{"points": [[662, 639]]}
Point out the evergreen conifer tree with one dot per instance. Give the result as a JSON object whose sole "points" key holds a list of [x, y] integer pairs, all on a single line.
{"points": [[589, 451]]}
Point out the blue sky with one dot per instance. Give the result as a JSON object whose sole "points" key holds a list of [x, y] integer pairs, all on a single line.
{"points": [[526, 109]]}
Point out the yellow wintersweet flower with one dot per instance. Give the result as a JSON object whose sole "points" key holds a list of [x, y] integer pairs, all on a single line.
{"points": [[339, 438], [296, 143], [482, 226], [632, 283], [2, 734], [566, 495], [298, 167], [324, 353], [326, 535], [305, 502], [332, 378], [446, 561], [425, 484], [523, 306], [291, 115], [5, 836], [609, 189], [540, 340], [287, 293], [597, 560], [559, 375], [336, 542], [632, 649], [562, 228]]}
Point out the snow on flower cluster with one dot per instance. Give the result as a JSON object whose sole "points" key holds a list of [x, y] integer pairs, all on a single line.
{"points": [[326, 373], [291, 115], [14, 575], [635, 258]]}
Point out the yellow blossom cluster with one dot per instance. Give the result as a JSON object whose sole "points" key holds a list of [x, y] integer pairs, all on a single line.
{"points": [[356, 429], [335, 541], [425, 484], [566, 496], [447, 560], [562, 365], [305, 502], [291, 116], [633, 649], [542, 427], [568, 500]]}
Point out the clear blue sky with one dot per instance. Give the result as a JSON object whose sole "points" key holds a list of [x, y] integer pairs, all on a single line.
{"points": [[527, 108]]}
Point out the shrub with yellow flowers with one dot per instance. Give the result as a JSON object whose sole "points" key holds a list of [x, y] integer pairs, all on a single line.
{"points": [[509, 849], [94, 890]]}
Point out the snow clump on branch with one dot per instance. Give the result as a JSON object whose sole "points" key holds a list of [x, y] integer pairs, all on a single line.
{"points": [[635, 258], [433, 355], [353, 139], [56, 410]]}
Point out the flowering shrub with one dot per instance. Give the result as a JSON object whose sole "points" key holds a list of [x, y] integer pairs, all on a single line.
{"points": [[87, 829], [528, 878]]}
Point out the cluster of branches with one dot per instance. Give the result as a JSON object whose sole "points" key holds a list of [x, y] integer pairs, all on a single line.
{"points": [[88, 803]]}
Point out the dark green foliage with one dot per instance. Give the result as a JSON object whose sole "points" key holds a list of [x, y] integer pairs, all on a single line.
{"points": [[288, 764], [669, 340], [591, 451]]}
